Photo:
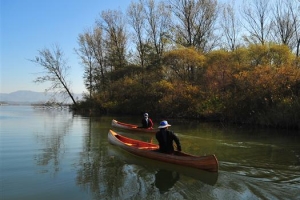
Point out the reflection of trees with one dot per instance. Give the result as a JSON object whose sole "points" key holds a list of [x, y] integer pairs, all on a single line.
{"points": [[96, 172], [56, 126], [91, 161], [106, 176], [107, 172]]}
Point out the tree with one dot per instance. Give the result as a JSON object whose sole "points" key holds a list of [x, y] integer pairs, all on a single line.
{"points": [[195, 23], [158, 17], [115, 35], [136, 18], [86, 54], [56, 71], [284, 24], [99, 50], [257, 18], [295, 9], [219, 69], [150, 22], [230, 26], [183, 62], [92, 52]]}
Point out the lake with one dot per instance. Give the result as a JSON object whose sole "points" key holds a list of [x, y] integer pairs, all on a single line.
{"points": [[55, 154]]}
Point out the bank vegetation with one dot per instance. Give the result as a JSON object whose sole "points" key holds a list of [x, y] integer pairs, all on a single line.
{"points": [[196, 59]]}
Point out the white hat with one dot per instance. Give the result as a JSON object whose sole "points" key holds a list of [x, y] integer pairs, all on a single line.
{"points": [[164, 124]]}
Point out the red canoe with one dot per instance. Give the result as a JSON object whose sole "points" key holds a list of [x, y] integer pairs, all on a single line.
{"points": [[131, 127], [149, 150]]}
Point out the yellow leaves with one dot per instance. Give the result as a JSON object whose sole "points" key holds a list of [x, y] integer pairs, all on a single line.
{"points": [[184, 56], [280, 55], [254, 55], [163, 86], [179, 97], [270, 54], [219, 56], [167, 85], [257, 54], [183, 63], [128, 81]]}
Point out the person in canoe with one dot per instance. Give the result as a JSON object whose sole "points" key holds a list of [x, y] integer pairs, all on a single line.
{"points": [[147, 122], [165, 138]]}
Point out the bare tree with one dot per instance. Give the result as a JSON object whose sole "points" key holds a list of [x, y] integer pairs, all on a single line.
{"points": [[56, 71], [114, 26], [195, 23], [295, 10], [284, 23], [86, 55], [92, 52], [136, 18], [158, 16], [99, 50], [230, 25], [257, 20], [151, 23]]}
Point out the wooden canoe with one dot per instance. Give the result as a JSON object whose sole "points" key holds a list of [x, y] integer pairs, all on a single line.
{"points": [[150, 150], [131, 127]]}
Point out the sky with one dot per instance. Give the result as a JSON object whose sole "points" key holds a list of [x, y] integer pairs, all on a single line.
{"points": [[28, 26]]}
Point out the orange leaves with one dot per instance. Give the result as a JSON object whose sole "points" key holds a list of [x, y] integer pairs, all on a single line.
{"points": [[269, 78], [219, 70]]}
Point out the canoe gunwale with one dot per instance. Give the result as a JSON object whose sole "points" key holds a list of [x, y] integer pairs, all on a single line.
{"points": [[208, 162], [131, 127]]}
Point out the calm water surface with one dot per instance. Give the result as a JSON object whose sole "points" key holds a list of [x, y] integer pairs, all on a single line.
{"points": [[53, 154]]}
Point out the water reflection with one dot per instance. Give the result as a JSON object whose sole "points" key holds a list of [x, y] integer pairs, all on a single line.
{"points": [[93, 173], [37, 144], [56, 125], [209, 178], [165, 179]]}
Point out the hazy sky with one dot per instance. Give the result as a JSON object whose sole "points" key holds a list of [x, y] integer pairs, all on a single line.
{"points": [[31, 25]]}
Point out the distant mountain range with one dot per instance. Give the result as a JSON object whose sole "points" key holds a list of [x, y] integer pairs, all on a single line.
{"points": [[29, 97]]}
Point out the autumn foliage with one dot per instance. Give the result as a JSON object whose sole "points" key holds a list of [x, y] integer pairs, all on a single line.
{"points": [[255, 85]]}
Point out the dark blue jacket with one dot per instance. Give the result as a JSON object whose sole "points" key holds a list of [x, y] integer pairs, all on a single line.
{"points": [[165, 140]]}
